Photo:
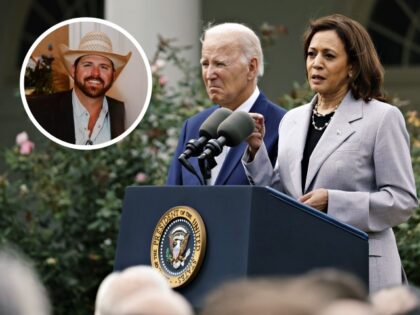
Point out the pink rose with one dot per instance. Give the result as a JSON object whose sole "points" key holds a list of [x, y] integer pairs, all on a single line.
{"points": [[26, 147], [141, 177], [163, 80]]}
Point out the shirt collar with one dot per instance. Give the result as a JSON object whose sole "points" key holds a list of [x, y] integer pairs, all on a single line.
{"points": [[79, 109], [246, 106]]}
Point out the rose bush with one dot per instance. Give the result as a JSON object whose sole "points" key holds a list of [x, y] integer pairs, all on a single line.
{"points": [[62, 207]]}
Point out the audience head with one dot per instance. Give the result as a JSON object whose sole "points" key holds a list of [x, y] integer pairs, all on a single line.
{"points": [[331, 285], [261, 296], [155, 302], [138, 290], [306, 294], [397, 300], [21, 291], [348, 307]]}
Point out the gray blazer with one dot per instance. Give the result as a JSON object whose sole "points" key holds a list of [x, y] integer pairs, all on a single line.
{"points": [[363, 159]]}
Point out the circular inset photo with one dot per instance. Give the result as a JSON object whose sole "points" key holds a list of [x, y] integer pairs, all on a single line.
{"points": [[86, 83]]}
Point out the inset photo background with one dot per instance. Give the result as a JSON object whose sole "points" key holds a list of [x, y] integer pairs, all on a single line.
{"points": [[44, 73]]}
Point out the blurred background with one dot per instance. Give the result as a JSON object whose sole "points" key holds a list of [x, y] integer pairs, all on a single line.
{"points": [[393, 24]]}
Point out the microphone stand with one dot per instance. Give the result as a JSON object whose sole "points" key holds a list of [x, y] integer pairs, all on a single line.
{"points": [[206, 160], [206, 165], [182, 159]]}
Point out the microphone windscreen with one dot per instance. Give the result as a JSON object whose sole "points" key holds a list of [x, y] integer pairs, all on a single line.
{"points": [[236, 128], [209, 127]]}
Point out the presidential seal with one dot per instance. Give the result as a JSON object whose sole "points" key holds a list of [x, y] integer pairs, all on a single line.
{"points": [[178, 245]]}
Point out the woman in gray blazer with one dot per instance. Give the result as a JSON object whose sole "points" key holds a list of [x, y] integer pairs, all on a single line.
{"points": [[347, 152]]}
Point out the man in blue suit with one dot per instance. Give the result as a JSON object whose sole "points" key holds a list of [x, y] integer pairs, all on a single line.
{"points": [[232, 61]]}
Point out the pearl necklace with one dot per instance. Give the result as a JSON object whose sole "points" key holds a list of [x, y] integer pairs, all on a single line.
{"points": [[316, 113]]}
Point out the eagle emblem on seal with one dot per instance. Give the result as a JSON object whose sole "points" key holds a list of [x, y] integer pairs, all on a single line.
{"points": [[177, 252]]}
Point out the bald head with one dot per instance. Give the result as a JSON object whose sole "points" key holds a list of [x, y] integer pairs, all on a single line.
{"points": [[348, 307], [155, 302], [239, 34], [21, 291], [121, 285]]}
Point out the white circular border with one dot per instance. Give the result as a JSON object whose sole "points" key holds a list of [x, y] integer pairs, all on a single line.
{"points": [[133, 125]]}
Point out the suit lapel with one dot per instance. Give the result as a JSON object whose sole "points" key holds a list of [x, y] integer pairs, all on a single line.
{"points": [[234, 156], [64, 119], [295, 153], [116, 117], [112, 119], [336, 133], [231, 162]]}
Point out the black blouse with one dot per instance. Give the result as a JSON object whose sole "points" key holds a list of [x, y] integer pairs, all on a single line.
{"points": [[312, 139]]}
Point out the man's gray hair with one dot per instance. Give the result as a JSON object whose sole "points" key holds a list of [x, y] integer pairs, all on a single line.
{"points": [[21, 291], [247, 39]]}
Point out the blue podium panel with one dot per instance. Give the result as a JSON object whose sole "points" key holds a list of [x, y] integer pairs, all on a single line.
{"points": [[251, 231]]}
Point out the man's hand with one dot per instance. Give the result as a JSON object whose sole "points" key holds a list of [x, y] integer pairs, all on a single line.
{"points": [[317, 199], [256, 138]]}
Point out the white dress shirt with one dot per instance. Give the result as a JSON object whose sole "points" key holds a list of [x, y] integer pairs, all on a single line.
{"points": [[101, 131], [244, 107]]}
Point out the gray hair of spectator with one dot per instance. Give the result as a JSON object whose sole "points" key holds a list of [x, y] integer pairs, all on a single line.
{"points": [[21, 291], [256, 296], [300, 295], [416, 292], [154, 302], [348, 307], [401, 299], [334, 284], [120, 285], [247, 39]]}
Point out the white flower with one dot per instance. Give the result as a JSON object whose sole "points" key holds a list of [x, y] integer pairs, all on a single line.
{"points": [[21, 138], [171, 142], [160, 63], [51, 261], [172, 132], [120, 162], [23, 189], [31, 64]]}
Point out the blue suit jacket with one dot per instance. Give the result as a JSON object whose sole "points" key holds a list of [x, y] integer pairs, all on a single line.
{"points": [[232, 172]]}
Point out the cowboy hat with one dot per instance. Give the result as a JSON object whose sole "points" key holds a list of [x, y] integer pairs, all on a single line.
{"points": [[93, 43]]}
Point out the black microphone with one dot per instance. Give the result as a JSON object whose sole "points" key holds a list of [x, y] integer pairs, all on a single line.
{"points": [[208, 130], [232, 131]]}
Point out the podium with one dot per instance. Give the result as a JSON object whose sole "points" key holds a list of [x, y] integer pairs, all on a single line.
{"points": [[251, 231]]}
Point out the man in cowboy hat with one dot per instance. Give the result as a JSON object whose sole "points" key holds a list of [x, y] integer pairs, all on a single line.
{"points": [[84, 115]]}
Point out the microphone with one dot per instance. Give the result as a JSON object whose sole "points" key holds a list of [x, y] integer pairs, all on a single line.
{"points": [[232, 131], [208, 130]]}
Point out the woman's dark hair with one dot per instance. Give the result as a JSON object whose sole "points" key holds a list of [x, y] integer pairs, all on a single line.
{"points": [[367, 71]]}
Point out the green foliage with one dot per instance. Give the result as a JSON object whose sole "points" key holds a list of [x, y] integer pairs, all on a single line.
{"points": [[62, 207], [300, 94], [38, 75]]}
